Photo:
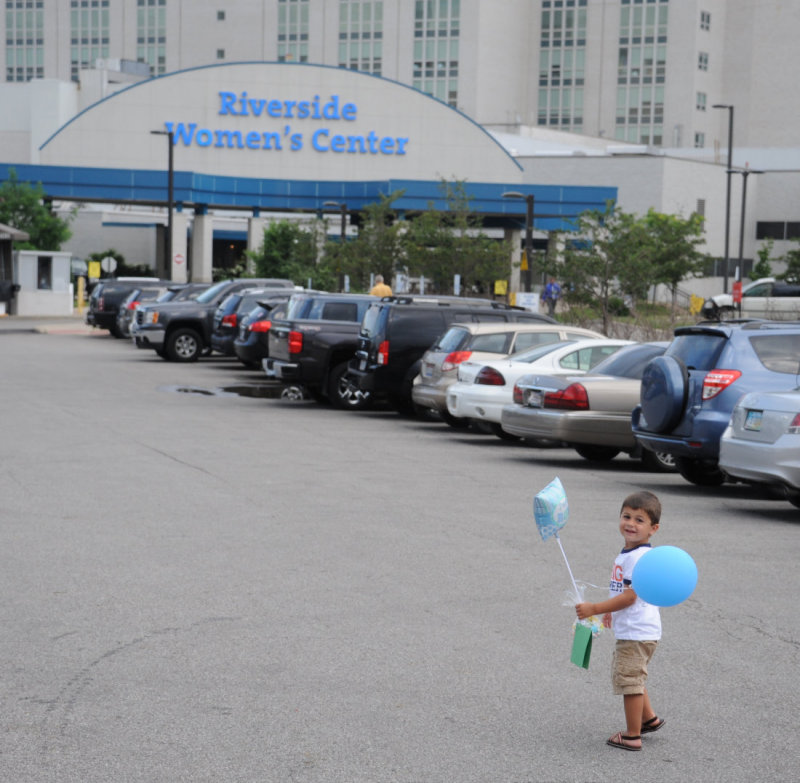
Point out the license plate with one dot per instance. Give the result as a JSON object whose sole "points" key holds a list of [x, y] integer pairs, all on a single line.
{"points": [[753, 420], [427, 370], [362, 365], [535, 399]]}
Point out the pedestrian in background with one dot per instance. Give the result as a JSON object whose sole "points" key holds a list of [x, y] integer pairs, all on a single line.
{"points": [[380, 288], [551, 295]]}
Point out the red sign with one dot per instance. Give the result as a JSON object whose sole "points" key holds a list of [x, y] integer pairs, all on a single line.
{"points": [[179, 259], [737, 292]]}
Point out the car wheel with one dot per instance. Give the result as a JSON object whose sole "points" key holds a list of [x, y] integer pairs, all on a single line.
{"points": [[703, 472], [664, 389], [456, 422], [293, 393], [658, 461], [501, 433], [597, 453], [343, 393], [184, 345]]}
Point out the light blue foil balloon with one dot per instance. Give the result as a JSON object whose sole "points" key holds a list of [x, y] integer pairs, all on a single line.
{"points": [[550, 509], [664, 576]]}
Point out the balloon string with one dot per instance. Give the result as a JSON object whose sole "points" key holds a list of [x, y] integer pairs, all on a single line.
{"points": [[560, 546]]}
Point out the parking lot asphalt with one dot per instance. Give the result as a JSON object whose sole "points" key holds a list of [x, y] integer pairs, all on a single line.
{"points": [[204, 583]]}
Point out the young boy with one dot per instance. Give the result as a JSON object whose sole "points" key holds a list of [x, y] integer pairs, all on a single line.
{"points": [[636, 624]]}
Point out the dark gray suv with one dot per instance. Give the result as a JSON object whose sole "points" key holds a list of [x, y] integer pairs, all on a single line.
{"points": [[688, 394]]}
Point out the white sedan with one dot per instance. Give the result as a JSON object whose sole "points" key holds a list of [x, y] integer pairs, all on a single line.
{"points": [[483, 388]]}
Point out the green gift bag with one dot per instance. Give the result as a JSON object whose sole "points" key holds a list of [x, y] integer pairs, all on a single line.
{"points": [[581, 646]]}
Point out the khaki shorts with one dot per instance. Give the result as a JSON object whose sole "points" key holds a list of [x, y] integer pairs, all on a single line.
{"points": [[629, 666]]}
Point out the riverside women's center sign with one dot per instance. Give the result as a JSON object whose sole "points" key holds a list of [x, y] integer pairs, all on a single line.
{"points": [[282, 121], [290, 116]]}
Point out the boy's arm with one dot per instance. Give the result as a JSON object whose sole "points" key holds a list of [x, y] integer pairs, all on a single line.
{"points": [[621, 601]]}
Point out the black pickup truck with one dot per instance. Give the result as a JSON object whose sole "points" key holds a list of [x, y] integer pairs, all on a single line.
{"points": [[312, 346], [181, 331]]}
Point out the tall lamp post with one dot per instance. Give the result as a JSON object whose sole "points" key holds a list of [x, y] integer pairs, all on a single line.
{"points": [[529, 200], [343, 236], [745, 173], [170, 196], [729, 107]]}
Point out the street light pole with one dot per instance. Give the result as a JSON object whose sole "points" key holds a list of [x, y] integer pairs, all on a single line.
{"points": [[170, 197], [529, 201], [745, 173], [343, 238], [729, 107]]}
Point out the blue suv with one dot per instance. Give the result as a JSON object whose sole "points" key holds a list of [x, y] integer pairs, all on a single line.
{"points": [[688, 394]]}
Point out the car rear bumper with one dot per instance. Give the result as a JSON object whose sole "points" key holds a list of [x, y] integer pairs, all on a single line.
{"points": [[586, 427], [472, 404], [703, 443], [427, 396], [762, 463]]}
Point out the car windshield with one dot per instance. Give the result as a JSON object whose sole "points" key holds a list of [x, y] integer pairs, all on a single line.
{"points": [[209, 294], [629, 362], [532, 354]]}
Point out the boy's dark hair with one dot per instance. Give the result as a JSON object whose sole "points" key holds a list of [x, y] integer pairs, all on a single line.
{"points": [[647, 502]]}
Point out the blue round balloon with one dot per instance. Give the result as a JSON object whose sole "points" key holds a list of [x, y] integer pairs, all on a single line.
{"points": [[664, 576]]}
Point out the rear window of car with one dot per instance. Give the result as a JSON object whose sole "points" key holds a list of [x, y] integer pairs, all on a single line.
{"points": [[698, 351], [628, 362], [452, 340], [587, 358], [778, 352]]}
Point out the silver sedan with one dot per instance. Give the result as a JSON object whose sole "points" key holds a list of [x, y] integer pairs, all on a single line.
{"points": [[761, 444], [591, 413]]}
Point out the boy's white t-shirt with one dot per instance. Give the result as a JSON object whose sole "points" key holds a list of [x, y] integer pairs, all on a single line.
{"points": [[640, 621]]}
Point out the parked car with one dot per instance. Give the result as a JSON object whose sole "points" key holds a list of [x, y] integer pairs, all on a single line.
{"points": [[396, 332], [311, 347], [483, 388], [688, 394], [176, 292], [592, 412], [761, 444], [763, 298], [232, 308], [181, 331], [106, 297], [251, 345], [127, 309], [476, 342]]}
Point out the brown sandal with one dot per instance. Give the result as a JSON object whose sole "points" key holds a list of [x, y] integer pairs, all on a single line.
{"points": [[618, 741], [654, 724]]}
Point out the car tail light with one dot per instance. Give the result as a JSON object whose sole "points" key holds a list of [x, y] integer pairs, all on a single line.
{"points": [[133, 305], [717, 381], [488, 376], [794, 426], [101, 304], [229, 320], [260, 326], [383, 353], [295, 342], [455, 358], [519, 395], [573, 398]]}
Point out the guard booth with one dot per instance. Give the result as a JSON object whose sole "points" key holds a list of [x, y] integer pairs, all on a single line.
{"points": [[43, 277], [8, 285]]}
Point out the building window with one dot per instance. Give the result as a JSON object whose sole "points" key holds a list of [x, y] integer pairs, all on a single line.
{"points": [[702, 61], [220, 54], [701, 207], [151, 34], [44, 273], [699, 140], [24, 40], [701, 101], [220, 16], [293, 31], [361, 35], [705, 20], [770, 230], [437, 29]]}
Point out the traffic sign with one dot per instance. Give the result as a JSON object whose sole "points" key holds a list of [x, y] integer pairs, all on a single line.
{"points": [[109, 264]]}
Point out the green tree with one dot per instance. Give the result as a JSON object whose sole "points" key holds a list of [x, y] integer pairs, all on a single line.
{"points": [[763, 268], [444, 243], [792, 259], [289, 251], [24, 206]]}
